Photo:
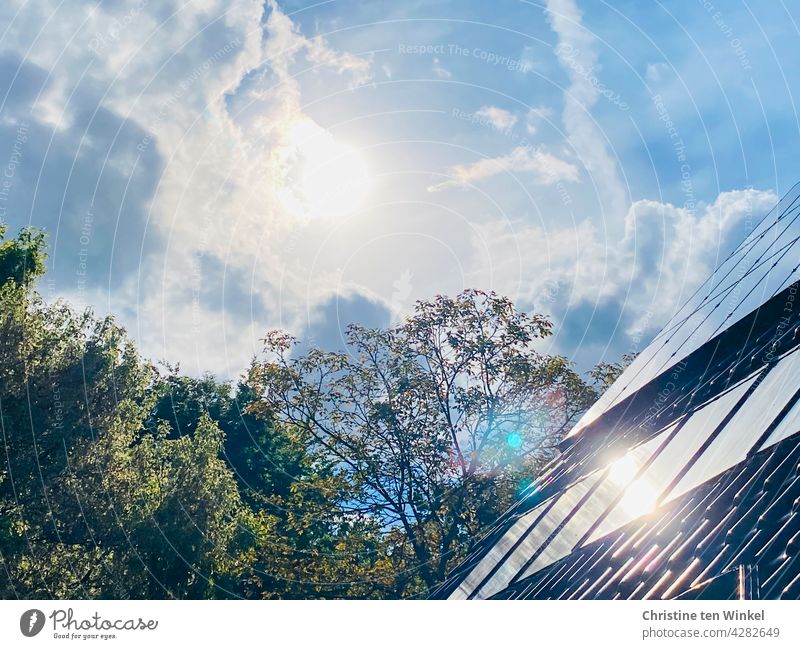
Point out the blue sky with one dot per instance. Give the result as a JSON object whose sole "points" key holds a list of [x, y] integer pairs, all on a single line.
{"points": [[211, 170]]}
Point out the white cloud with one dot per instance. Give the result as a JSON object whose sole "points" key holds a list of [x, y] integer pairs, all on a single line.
{"points": [[285, 41], [545, 168], [665, 253], [499, 118], [221, 192], [534, 118], [576, 54], [440, 71], [225, 157]]}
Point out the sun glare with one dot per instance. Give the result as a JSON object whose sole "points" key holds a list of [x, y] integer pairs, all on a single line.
{"points": [[640, 498], [335, 179], [640, 495], [623, 470]]}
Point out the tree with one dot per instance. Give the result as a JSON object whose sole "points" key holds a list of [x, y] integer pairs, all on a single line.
{"points": [[435, 423], [121, 481], [92, 503], [363, 473], [604, 374], [298, 546], [22, 258]]}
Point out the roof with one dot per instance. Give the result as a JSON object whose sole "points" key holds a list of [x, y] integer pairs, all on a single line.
{"points": [[684, 483], [734, 537]]}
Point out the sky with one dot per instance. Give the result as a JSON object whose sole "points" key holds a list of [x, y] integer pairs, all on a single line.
{"points": [[207, 171]]}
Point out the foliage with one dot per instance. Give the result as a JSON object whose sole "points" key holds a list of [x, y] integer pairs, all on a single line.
{"points": [[22, 258], [435, 423], [364, 473], [604, 374]]}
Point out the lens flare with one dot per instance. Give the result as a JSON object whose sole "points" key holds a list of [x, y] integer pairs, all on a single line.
{"points": [[514, 440]]}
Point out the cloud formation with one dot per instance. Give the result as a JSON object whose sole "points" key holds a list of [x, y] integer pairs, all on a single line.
{"points": [[168, 149], [576, 53], [162, 154], [543, 167], [534, 118], [498, 118], [624, 289]]}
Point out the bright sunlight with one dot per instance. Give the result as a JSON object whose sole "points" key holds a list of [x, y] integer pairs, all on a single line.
{"points": [[335, 179]]}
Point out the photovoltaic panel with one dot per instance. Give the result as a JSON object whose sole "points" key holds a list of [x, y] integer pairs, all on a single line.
{"points": [[736, 440], [696, 480], [764, 264], [643, 494]]}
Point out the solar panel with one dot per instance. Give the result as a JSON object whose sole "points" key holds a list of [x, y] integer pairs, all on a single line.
{"points": [[764, 264], [696, 494]]}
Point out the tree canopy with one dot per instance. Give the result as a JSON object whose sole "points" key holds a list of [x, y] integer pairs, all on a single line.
{"points": [[364, 472]]}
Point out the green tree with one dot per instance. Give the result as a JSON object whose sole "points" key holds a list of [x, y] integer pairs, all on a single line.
{"points": [[22, 258], [435, 423], [365, 473], [299, 546], [92, 503], [604, 374]]}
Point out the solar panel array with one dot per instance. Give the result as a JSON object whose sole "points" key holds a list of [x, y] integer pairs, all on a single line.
{"points": [[759, 268], [735, 537], [684, 482]]}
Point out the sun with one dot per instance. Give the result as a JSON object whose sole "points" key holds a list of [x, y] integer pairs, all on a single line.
{"points": [[335, 178]]}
